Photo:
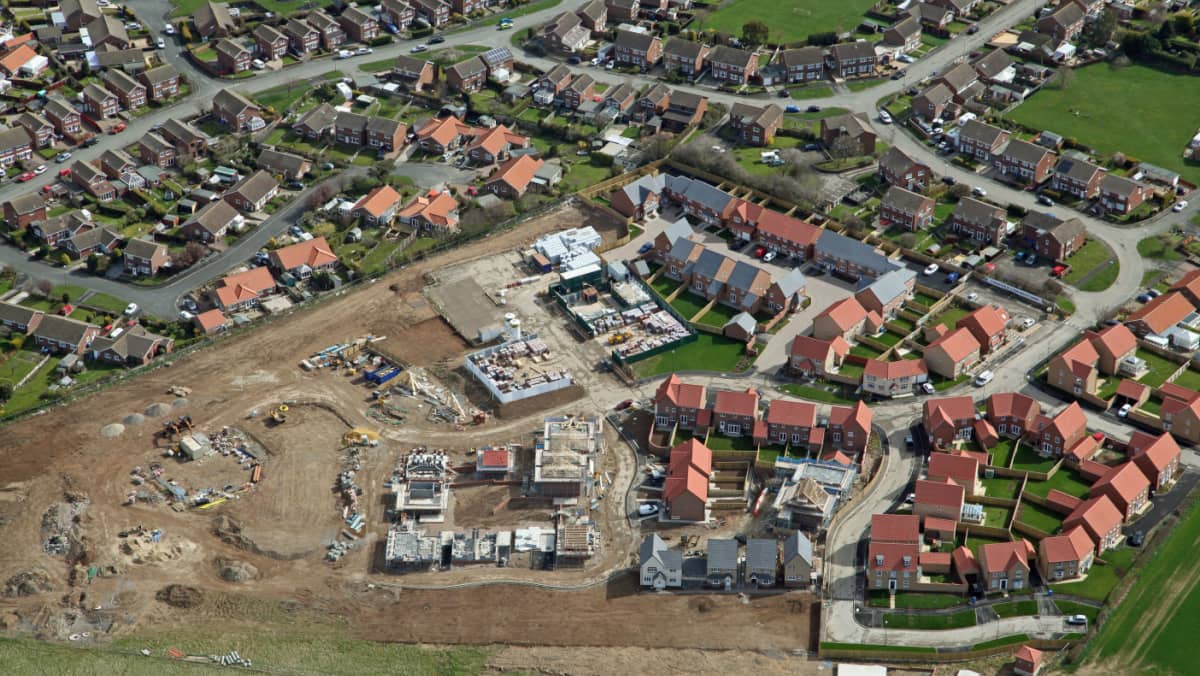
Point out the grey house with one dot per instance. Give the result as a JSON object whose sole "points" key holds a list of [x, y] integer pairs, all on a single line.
{"points": [[797, 561], [762, 561], [722, 565], [661, 567]]}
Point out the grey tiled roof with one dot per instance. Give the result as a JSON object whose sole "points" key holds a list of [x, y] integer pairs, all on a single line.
{"points": [[722, 553], [797, 545], [849, 249], [762, 554]]}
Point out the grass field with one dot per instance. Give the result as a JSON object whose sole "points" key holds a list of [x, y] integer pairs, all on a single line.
{"points": [[708, 353], [1102, 578], [1158, 247], [1039, 517], [1002, 452], [282, 97], [1029, 460], [789, 21], [1000, 487], [816, 394], [18, 366], [1160, 368], [1064, 480], [879, 599], [1153, 628], [1016, 608], [1156, 117], [1093, 257], [107, 303], [688, 304], [963, 618]]}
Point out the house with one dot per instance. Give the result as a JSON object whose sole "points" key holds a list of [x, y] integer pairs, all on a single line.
{"points": [[979, 221], [989, 325], [686, 487], [143, 258], [233, 57], [212, 222], [581, 91], [684, 110], [332, 33], [903, 36], [1027, 163], [733, 65], [803, 65], [79, 13], [959, 79], [304, 39], [931, 15], [813, 357], [678, 403], [790, 422], [108, 32], [468, 75], [848, 257], [625, 11], [62, 115], [212, 20], [1065, 556], [1127, 487], [938, 499], [931, 103], [948, 419], [493, 145], [1027, 661], [211, 322], [415, 74], [284, 164], [1100, 518], [885, 295], [243, 289], [270, 42], [20, 319], [981, 141], [566, 33], [1012, 414], [643, 50], [1075, 369], [444, 134], [513, 178], [384, 134], [905, 209], [234, 110], [754, 125], [894, 378], [58, 228], [1054, 436], [787, 235], [651, 103], [952, 354], [762, 561], [92, 180], [959, 7], [638, 199], [594, 15], [961, 469], [685, 57], [433, 213], [554, 80], [253, 192], [1065, 23], [130, 92], [721, 565], [1157, 457], [1076, 177], [359, 25], [700, 200], [118, 166], [39, 128], [734, 413], [798, 563], [64, 335], [133, 347], [378, 207], [188, 141], [852, 59], [1053, 238], [15, 145], [893, 555], [1120, 195], [1160, 314], [659, 567], [897, 168], [1004, 566], [1113, 345], [304, 258], [843, 319], [1189, 286], [24, 209], [101, 241], [317, 123], [850, 427], [852, 126], [99, 102]]}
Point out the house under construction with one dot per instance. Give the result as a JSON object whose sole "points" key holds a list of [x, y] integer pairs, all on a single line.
{"points": [[565, 457], [423, 488]]}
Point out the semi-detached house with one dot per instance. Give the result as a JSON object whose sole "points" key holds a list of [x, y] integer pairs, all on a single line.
{"points": [[1051, 237], [897, 168], [803, 65], [637, 49], [685, 57], [1027, 163], [729, 64], [1078, 178], [906, 209], [979, 221], [981, 141]]}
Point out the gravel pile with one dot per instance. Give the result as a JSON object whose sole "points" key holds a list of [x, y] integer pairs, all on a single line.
{"points": [[113, 430], [134, 419], [180, 402], [157, 410]]}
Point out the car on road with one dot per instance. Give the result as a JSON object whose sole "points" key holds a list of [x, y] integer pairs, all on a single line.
{"points": [[117, 129], [885, 117], [1137, 538], [63, 173], [931, 269], [792, 109], [131, 309], [1058, 270], [91, 141], [927, 388], [1045, 200], [39, 169], [952, 278], [949, 180], [169, 30], [979, 191], [27, 176], [737, 244], [574, 60], [435, 40], [343, 54], [813, 109], [1077, 619], [647, 508], [1124, 410], [769, 256], [363, 51], [984, 378], [645, 248], [783, 94], [760, 252], [295, 185], [160, 43], [1179, 206], [418, 49], [897, 75], [972, 297]]}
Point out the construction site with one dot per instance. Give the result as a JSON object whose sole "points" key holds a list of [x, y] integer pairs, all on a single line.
{"points": [[269, 501], [622, 315]]}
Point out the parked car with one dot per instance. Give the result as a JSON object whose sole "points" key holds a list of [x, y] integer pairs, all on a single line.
{"points": [[978, 191], [363, 51], [343, 54], [574, 60], [984, 378], [905, 58], [418, 49], [897, 75], [814, 109], [1045, 201], [792, 109], [1058, 270], [952, 278], [160, 43], [1026, 322], [1124, 411], [63, 173], [972, 297], [647, 508], [760, 252], [645, 248], [783, 94], [131, 309], [1154, 293], [435, 40], [259, 64], [133, 26], [27, 176], [1077, 619], [1137, 538], [1180, 206], [118, 129], [295, 185], [737, 244], [811, 147], [1032, 260], [1144, 298], [169, 30], [949, 180], [927, 388], [39, 169], [621, 406], [885, 117], [185, 316], [328, 166], [908, 438], [769, 256], [932, 269], [91, 141]]}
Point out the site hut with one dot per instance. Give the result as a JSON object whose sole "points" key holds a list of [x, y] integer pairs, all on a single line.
{"points": [[195, 446], [494, 460], [565, 457], [721, 567]]}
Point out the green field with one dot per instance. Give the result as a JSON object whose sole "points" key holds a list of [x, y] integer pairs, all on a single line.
{"points": [[1016, 608], [1001, 453], [1156, 113], [1093, 257], [1102, 578], [282, 97], [790, 21], [107, 303], [816, 394], [962, 618], [1064, 480], [688, 304], [708, 353], [1028, 459], [879, 599], [1153, 628], [1045, 520], [1000, 487], [1158, 247]]}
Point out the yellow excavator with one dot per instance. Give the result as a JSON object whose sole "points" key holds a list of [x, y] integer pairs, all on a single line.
{"points": [[279, 415]]}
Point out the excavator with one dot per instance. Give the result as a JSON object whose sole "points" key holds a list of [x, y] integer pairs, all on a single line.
{"points": [[279, 415]]}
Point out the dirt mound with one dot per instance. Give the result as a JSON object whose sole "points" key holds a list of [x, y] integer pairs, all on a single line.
{"points": [[112, 431], [232, 570], [134, 419], [28, 583], [180, 402], [179, 596], [157, 410], [229, 531], [702, 605]]}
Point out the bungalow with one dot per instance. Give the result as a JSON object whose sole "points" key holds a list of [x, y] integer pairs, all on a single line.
{"points": [[893, 555], [812, 357], [332, 33], [1189, 286], [1160, 314], [234, 110], [1120, 195], [1065, 556], [212, 20], [134, 347], [99, 102], [284, 164], [1076, 177], [101, 240], [643, 50], [979, 221], [989, 325], [20, 319], [961, 469], [513, 177], [64, 335], [1004, 566], [444, 134], [886, 295], [981, 141], [753, 125], [684, 56], [850, 427], [1012, 414], [304, 258], [212, 222], [434, 213], [378, 207], [948, 419], [852, 59], [951, 355], [790, 422], [803, 65], [211, 322], [468, 75], [243, 289], [899, 169], [24, 209], [894, 378], [1027, 661], [1100, 518], [317, 123], [679, 403], [130, 92], [303, 38], [233, 57], [905, 209], [21, 61], [414, 73], [849, 258], [253, 192], [359, 25], [1054, 436], [1027, 163], [1127, 487], [729, 64], [852, 126], [143, 258], [938, 499], [39, 129], [1053, 238]]}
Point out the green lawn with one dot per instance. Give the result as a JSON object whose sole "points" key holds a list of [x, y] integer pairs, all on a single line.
{"points": [[107, 303], [789, 21], [1002, 451], [864, 350], [1093, 255], [1076, 608], [1040, 518], [1156, 121], [18, 365], [282, 97], [1000, 487], [377, 66], [184, 8], [1102, 578], [996, 517], [1160, 368], [708, 353], [717, 442], [1064, 480], [879, 599], [812, 393], [949, 316], [859, 85], [812, 92], [1158, 247], [73, 291], [750, 158], [580, 175], [1029, 460], [1016, 608], [718, 316], [963, 618], [688, 304], [664, 285], [1189, 379]]}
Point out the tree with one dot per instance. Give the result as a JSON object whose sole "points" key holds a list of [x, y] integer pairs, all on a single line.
{"points": [[65, 260], [1118, 159], [755, 32], [324, 229], [959, 191], [1097, 33], [1185, 24], [1166, 30], [843, 146], [6, 391], [66, 298], [44, 287]]}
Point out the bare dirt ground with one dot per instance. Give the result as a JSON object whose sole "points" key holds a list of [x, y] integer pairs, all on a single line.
{"points": [[603, 661]]}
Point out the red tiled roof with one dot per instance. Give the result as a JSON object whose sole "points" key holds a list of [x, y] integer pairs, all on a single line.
{"points": [[517, 171], [681, 394], [816, 437], [838, 457], [787, 228], [940, 525], [1012, 404], [378, 201], [211, 320], [437, 208], [964, 561], [690, 453], [959, 467], [1069, 421], [1163, 312], [935, 559], [244, 286], [953, 408], [957, 345], [18, 57], [1131, 389], [891, 370], [496, 457], [1086, 449], [940, 494], [998, 557], [1031, 655], [731, 402], [1099, 514], [493, 140], [895, 528], [689, 481], [1127, 480], [990, 320], [1153, 454], [1190, 281], [845, 313], [1081, 358], [1116, 340], [893, 554], [445, 130], [1062, 502], [313, 253], [844, 415], [816, 349], [1074, 545], [787, 412]]}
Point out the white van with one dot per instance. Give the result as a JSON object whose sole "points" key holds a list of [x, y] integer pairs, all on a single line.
{"points": [[984, 378]]}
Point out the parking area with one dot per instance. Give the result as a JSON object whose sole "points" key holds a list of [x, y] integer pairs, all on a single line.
{"points": [[934, 281], [1032, 277]]}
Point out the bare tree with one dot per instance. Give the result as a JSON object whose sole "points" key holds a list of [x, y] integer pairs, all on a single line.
{"points": [[843, 146], [44, 287]]}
